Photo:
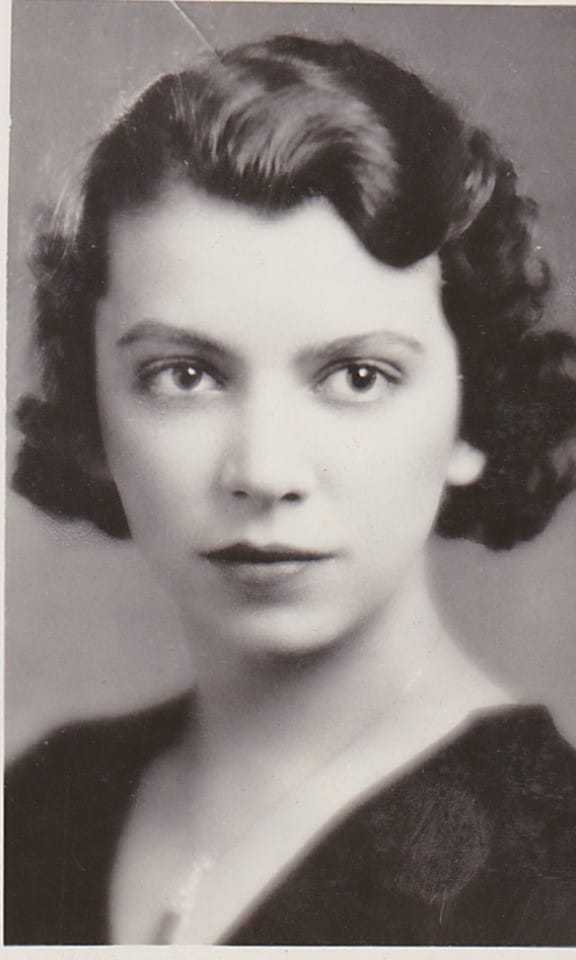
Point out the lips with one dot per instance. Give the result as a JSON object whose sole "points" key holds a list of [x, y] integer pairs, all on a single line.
{"points": [[240, 553], [265, 572]]}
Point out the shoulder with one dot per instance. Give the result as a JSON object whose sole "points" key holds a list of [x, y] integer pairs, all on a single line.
{"points": [[517, 757], [510, 756], [94, 750], [483, 833], [66, 800], [509, 777]]}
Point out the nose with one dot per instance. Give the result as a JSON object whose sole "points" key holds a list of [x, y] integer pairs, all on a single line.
{"points": [[268, 459]]}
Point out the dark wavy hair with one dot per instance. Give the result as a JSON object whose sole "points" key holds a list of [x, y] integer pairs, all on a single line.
{"points": [[269, 125]]}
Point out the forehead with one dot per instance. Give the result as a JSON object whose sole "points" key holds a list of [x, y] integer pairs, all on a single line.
{"points": [[191, 258]]}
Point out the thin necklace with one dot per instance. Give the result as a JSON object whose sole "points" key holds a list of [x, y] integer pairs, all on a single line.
{"points": [[184, 901]]}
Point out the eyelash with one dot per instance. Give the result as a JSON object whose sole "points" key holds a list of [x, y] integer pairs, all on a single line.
{"points": [[389, 374], [147, 378]]}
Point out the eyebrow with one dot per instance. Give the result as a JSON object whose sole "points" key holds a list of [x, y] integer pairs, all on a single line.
{"points": [[165, 332], [358, 343], [191, 340]]}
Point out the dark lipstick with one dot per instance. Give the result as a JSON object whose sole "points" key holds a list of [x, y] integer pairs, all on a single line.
{"points": [[265, 571], [274, 553]]}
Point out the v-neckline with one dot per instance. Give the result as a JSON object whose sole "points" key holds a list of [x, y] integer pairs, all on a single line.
{"points": [[300, 845]]}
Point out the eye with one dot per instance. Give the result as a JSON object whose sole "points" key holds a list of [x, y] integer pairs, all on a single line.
{"points": [[177, 378], [359, 382]]}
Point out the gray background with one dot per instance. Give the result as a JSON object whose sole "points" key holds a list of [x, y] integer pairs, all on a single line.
{"points": [[87, 630]]}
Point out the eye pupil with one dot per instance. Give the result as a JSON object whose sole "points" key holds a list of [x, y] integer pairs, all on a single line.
{"points": [[361, 377], [186, 376]]}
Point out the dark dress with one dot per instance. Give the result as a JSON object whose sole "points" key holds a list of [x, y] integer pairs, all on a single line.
{"points": [[476, 845]]}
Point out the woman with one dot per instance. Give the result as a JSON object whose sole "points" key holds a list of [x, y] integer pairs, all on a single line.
{"points": [[291, 324]]}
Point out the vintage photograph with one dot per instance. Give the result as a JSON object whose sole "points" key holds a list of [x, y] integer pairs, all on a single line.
{"points": [[291, 518]]}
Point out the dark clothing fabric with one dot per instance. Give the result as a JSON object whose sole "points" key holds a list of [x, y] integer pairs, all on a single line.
{"points": [[476, 845]]}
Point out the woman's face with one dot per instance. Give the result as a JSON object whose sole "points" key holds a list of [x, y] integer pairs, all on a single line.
{"points": [[279, 413]]}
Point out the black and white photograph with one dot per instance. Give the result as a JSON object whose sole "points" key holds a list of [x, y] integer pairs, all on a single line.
{"points": [[290, 591]]}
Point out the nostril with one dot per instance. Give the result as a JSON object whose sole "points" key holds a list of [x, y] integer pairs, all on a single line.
{"points": [[239, 494]]}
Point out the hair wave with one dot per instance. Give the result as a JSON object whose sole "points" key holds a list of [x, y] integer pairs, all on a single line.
{"points": [[271, 125]]}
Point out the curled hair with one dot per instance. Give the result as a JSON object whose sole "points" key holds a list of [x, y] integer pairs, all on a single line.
{"points": [[270, 125]]}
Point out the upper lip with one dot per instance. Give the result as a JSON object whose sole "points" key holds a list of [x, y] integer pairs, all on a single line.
{"points": [[269, 553]]}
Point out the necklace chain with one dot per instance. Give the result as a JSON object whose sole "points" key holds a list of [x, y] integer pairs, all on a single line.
{"points": [[185, 899]]}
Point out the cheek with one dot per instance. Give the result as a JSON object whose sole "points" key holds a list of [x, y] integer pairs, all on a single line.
{"points": [[394, 474], [164, 476]]}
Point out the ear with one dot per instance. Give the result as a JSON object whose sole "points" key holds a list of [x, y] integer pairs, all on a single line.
{"points": [[466, 464]]}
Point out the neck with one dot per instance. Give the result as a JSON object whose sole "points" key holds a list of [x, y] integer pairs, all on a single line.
{"points": [[403, 665]]}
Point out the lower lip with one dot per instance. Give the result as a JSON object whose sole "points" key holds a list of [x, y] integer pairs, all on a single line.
{"points": [[263, 580]]}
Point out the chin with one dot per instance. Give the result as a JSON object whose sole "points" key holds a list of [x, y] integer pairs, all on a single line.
{"points": [[284, 636]]}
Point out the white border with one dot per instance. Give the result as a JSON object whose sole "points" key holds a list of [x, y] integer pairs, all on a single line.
{"points": [[209, 952]]}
